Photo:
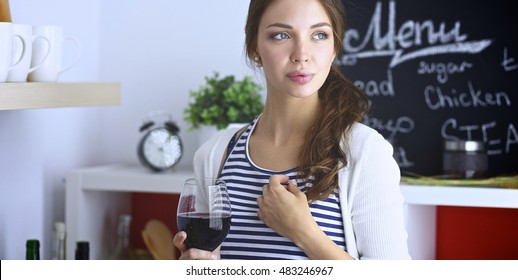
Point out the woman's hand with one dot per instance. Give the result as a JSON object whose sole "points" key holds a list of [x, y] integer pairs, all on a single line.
{"points": [[285, 209], [193, 253]]}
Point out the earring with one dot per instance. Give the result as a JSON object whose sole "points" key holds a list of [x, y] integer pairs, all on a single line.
{"points": [[257, 61]]}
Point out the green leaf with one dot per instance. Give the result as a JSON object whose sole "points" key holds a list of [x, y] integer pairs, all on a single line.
{"points": [[223, 100]]}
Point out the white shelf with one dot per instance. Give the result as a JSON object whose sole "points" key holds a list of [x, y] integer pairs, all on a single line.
{"points": [[136, 178], [17, 96], [420, 210], [95, 196], [131, 178], [460, 196]]}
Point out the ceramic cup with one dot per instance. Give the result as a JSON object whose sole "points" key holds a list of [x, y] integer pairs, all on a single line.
{"points": [[52, 66], [7, 39], [23, 49]]}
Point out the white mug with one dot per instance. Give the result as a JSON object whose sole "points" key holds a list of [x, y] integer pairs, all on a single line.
{"points": [[7, 38], [23, 49], [52, 66]]}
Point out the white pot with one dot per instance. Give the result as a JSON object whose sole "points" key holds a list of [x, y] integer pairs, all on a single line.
{"points": [[237, 125], [206, 132]]}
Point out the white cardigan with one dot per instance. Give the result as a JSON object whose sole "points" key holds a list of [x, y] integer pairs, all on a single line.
{"points": [[370, 197]]}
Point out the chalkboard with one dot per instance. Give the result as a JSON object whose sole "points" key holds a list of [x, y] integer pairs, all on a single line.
{"points": [[436, 70]]}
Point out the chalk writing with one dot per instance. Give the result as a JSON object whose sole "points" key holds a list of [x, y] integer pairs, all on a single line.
{"points": [[512, 138], [401, 158], [410, 34], [436, 98], [402, 124], [449, 75], [506, 62], [443, 70], [373, 88], [451, 128]]}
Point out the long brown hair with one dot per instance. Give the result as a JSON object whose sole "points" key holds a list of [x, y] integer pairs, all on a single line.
{"points": [[343, 104]]}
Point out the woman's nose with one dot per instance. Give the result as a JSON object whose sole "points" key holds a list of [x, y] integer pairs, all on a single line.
{"points": [[300, 52]]}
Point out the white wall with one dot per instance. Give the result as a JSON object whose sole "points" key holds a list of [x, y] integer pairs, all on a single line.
{"points": [[157, 49]]}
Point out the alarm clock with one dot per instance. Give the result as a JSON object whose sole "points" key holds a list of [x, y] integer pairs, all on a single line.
{"points": [[160, 147]]}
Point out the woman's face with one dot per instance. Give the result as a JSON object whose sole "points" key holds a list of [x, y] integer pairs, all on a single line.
{"points": [[296, 47]]}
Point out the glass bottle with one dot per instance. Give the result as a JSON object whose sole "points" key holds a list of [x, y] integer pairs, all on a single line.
{"points": [[33, 249], [82, 250], [59, 242], [464, 159], [122, 249]]}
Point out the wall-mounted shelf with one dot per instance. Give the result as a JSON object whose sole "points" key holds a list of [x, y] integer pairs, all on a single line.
{"points": [[17, 96]]}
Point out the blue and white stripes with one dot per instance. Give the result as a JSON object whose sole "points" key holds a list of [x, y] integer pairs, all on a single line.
{"points": [[249, 237]]}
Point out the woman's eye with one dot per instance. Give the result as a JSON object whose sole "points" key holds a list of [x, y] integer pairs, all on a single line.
{"points": [[280, 36], [320, 36]]}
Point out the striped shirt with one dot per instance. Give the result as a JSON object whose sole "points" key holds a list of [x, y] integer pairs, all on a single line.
{"points": [[249, 237]]}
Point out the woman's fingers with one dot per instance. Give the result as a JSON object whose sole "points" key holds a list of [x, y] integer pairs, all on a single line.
{"points": [[179, 240], [193, 253], [278, 179]]}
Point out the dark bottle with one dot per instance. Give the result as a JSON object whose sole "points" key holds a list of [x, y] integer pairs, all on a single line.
{"points": [[82, 250], [33, 249], [122, 250]]}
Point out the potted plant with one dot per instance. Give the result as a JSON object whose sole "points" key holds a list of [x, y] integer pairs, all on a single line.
{"points": [[222, 101]]}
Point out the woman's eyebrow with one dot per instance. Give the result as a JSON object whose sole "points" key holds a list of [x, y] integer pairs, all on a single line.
{"points": [[287, 26], [320, 25], [281, 25]]}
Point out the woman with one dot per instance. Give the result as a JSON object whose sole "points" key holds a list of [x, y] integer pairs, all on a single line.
{"points": [[306, 180]]}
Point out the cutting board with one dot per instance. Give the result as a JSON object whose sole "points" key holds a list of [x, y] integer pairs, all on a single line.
{"points": [[5, 12]]}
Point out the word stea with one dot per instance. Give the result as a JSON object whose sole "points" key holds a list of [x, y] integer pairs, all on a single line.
{"points": [[452, 130]]}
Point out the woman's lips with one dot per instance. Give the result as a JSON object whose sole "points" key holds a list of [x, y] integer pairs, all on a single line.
{"points": [[300, 77]]}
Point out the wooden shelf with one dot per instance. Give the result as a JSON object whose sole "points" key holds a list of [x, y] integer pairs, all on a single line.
{"points": [[17, 96]]}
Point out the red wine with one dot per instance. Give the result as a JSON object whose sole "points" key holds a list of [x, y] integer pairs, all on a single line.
{"points": [[204, 232]]}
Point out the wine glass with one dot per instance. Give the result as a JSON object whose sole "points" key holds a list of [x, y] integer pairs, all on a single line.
{"points": [[204, 213]]}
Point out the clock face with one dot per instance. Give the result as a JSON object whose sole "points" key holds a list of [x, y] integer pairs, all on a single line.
{"points": [[161, 148]]}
